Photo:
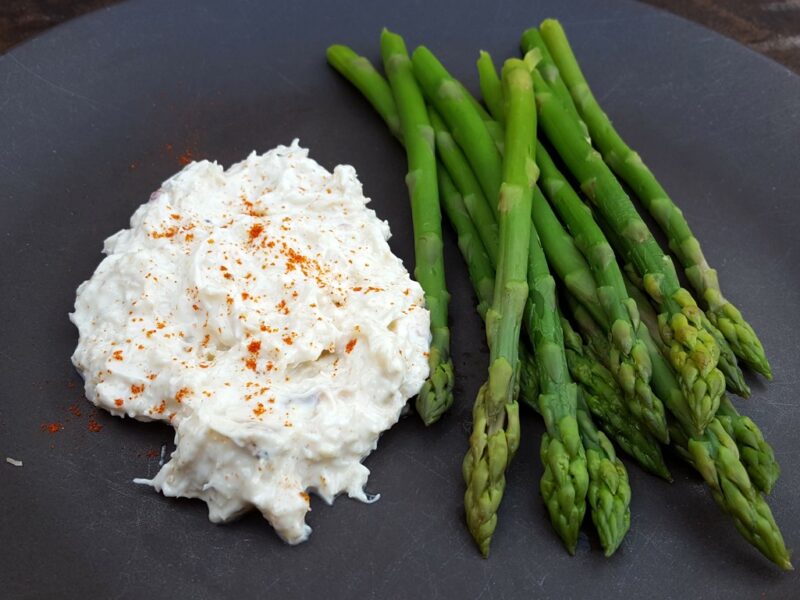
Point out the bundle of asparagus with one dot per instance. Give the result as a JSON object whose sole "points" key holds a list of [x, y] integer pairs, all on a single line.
{"points": [[619, 364]]}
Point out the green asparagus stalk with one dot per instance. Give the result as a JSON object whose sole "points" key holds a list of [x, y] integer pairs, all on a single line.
{"points": [[604, 399], [436, 395], [565, 478], [734, 378], [481, 274], [491, 88], [629, 359], [532, 41], [563, 255], [359, 71], [558, 487], [755, 453], [458, 110], [629, 166], [609, 490], [664, 381], [715, 456], [495, 432], [479, 265], [473, 197], [596, 340], [693, 352]]}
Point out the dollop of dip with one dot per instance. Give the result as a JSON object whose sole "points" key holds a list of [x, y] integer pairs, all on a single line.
{"points": [[260, 312]]}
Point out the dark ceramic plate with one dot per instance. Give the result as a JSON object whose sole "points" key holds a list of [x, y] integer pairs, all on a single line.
{"points": [[95, 114]]}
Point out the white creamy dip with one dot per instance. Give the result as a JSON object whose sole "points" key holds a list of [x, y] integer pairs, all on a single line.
{"points": [[261, 313]]}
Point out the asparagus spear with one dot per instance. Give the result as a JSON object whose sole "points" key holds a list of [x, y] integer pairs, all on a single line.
{"points": [[629, 359], [716, 458], [565, 516], [609, 490], [495, 433], [563, 255], [359, 71], [755, 453], [715, 455], [693, 352], [734, 378], [481, 275], [604, 399], [629, 166], [491, 88], [472, 195], [436, 395], [532, 41], [565, 478], [479, 265], [457, 108]]}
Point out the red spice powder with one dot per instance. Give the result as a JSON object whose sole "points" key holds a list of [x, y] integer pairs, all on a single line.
{"points": [[255, 231], [182, 393], [52, 427], [281, 306], [94, 426], [185, 158], [136, 389], [75, 410], [350, 345], [167, 233], [254, 347]]}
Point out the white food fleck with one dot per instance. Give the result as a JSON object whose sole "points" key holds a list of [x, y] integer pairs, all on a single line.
{"points": [[13, 461], [261, 313]]}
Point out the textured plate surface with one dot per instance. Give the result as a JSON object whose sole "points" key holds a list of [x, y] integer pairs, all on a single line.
{"points": [[95, 114]]}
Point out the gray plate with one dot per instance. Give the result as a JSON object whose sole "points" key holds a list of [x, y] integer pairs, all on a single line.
{"points": [[86, 116]]}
